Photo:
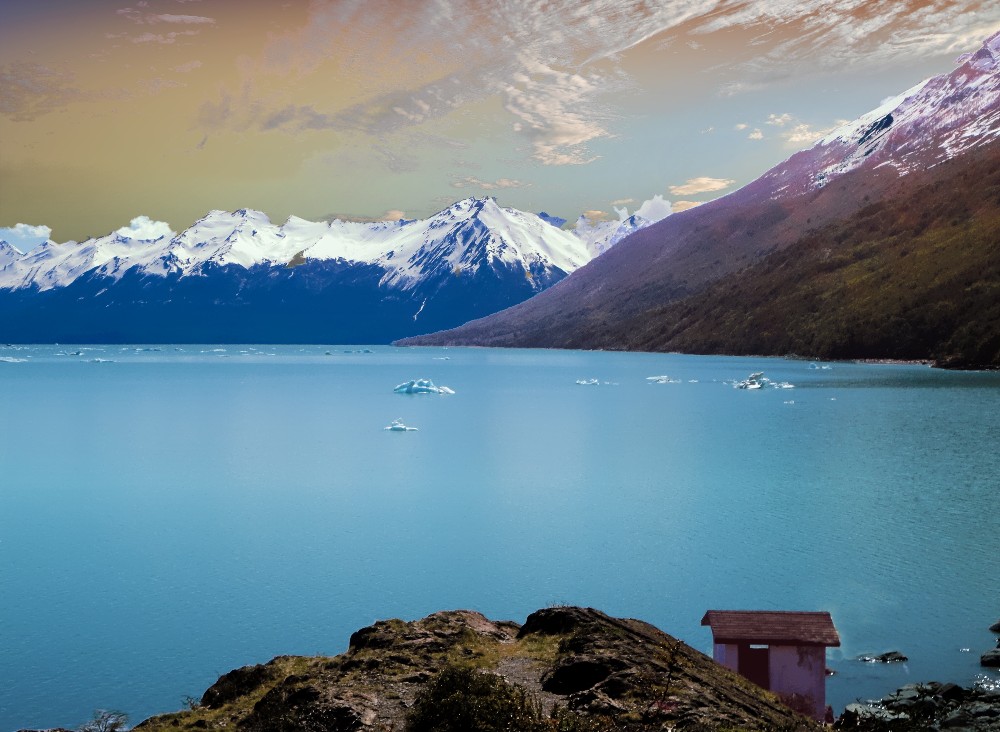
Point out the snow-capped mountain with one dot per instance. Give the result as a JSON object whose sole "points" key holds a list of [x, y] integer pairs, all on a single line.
{"points": [[470, 234], [599, 236], [403, 277], [933, 121], [915, 147]]}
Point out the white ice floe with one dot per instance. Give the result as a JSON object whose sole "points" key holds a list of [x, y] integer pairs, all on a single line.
{"points": [[662, 380], [422, 386], [824, 367], [398, 426], [757, 380], [587, 382], [11, 359]]}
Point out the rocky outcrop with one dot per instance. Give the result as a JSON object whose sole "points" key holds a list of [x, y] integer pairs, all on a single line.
{"points": [[623, 674], [990, 658], [995, 628], [890, 657], [931, 706]]}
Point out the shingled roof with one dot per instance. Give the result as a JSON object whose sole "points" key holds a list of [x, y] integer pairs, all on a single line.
{"points": [[771, 627]]}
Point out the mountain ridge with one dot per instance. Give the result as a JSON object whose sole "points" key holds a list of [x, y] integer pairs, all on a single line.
{"points": [[236, 277], [878, 156]]}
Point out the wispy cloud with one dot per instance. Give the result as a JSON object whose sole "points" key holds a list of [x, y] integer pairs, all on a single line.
{"points": [[162, 38], [702, 184], [779, 120], [473, 182], [555, 65], [756, 135], [188, 67], [140, 16], [29, 90]]}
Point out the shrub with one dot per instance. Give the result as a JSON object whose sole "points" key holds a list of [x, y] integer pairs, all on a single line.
{"points": [[465, 700]]}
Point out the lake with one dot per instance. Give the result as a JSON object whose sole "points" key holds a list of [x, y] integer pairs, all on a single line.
{"points": [[170, 513]]}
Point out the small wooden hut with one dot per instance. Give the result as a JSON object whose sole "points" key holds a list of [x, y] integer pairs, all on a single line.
{"points": [[783, 652]]}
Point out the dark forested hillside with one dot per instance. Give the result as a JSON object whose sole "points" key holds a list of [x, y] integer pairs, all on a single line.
{"points": [[874, 265], [913, 277]]}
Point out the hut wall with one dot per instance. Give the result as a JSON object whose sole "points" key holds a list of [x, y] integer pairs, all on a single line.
{"points": [[800, 672]]}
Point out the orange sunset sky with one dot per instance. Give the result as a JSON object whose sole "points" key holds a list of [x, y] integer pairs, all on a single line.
{"points": [[169, 108]]}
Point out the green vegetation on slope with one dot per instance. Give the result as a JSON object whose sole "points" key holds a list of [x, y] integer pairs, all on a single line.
{"points": [[913, 277]]}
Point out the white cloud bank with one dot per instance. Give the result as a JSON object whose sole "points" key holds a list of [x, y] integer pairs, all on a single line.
{"points": [[25, 236], [144, 228]]}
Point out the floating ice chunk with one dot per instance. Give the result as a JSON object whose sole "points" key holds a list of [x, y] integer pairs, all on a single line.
{"points": [[442, 358], [662, 380], [11, 359], [757, 380], [422, 386], [587, 382], [398, 426]]}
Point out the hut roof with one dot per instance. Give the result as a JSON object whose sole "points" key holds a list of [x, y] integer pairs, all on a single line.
{"points": [[772, 627]]}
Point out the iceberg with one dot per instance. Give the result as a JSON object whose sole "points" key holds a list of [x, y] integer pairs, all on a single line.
{"points": [[757, 380], [398, 426], [422, 386], [662, 380]]}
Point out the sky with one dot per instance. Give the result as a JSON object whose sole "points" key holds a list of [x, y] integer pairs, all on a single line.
{"points": [[150, 113]]}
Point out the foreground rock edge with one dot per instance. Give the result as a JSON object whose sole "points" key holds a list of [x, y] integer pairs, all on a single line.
{"points": [[617, 673]]}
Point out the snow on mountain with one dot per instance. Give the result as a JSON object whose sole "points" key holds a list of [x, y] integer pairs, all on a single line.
{"points": [[599, 236], [929, 123], [8, 255], [474, 232], [471, 233]]}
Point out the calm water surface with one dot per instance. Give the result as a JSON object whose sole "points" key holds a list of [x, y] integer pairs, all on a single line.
{"points": [[167, 515]]}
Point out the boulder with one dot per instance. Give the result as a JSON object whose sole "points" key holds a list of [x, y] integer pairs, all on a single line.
{"points": [[238, 682], [990, 658], [995, 628]]}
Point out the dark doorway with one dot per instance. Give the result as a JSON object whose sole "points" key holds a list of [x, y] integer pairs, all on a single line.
{"points": [[753, 665]]}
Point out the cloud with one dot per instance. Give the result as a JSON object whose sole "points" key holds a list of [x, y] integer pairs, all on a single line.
{"points": [[756, 135], [29, 90], [741, 126], [622, 201], [143, 18], [186, 19], [163, 38], [188, 67], [802, 134], [779, 120], [144, 228], [554, 109], [679, 206], [390, 215], [594, 216], [25, 236], [554, 65], [701, 185], [473, 182]]}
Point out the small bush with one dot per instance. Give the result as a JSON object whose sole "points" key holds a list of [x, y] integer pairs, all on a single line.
{"points": [[464, 700]]}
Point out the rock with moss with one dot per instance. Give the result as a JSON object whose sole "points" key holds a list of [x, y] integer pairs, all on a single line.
{"points": [[567, 669]]}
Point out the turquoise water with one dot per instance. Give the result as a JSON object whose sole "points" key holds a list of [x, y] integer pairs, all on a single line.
{"points": [[167, 515]]}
